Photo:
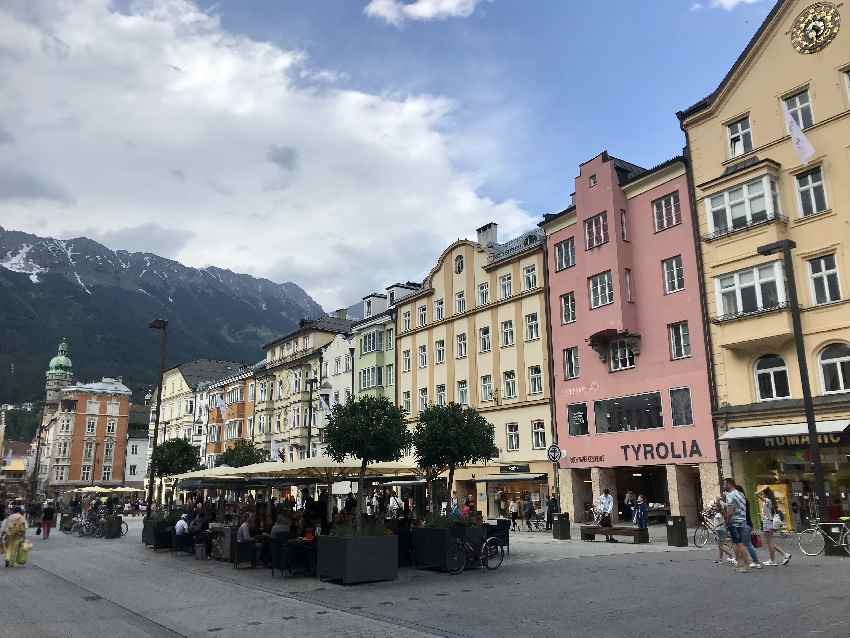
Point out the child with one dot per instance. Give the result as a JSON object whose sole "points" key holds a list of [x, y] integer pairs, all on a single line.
{"points": [[722, 539]]}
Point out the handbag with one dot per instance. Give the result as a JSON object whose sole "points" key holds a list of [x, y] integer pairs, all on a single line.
{"points": [[756, 540]]}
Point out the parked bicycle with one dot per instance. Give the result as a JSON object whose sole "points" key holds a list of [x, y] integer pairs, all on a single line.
{"points": [[705, 530], [462, 552], [813, 541]]}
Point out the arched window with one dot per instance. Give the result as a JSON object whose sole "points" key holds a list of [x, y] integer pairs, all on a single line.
{"points": [[835, 368], [771, 378], [459, 264]]}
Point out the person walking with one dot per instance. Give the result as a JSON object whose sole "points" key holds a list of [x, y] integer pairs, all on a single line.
{"points": [[48, 517], [528, 512], [748, 537], [641, 508], [551, 509], [736, 521], [606, 507], [13, 534], [769, 518], [514, 512]]}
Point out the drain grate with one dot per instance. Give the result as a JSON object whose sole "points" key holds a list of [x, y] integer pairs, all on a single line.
{"points": [[93, 597]]}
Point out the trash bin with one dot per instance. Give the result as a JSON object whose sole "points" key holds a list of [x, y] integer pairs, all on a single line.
{"points": [[561, 527], [833, 530], [677, 531]]}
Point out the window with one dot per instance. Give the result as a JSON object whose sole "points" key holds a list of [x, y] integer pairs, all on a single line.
{"points": [[423, 356], [835, 368], [483, 294], [65, 426], [507, 333], [405, 401], [667, 211], [740, 137], [85, 472], [743, 206], [568, 308], [423, 398], [460, 302], [390, 340], [61, 472], [624, 228], [601, 289], [680, 404], [252, 388], [134, 449], [367, 312], [638, 412], [370, 377], [405, 321], [571, 362], [487, 388], [261, 425], [262, 392], [627, 281], [91, 424], [441, 394], [421, 316], [674, 274], [389, 377], [504, 286], [800, 108], [577, 418], [440, 351], [296, 383], [190, 406], [62, 449], [824, 279], [438, 310], [512, 430], [535, 380], [461, 345], [810, 192], [529, 277], [510, 384], [484, 338], [108, 449], [750, 290], [538, 435], [370, 342], [338, 365], [771, 378], [405, 361], [532, 327], [459, 264], [596, 231], [565, 254], [462, 393], [592, 180], [622, 357], [251, 424], [680, 340], [106, 474]]}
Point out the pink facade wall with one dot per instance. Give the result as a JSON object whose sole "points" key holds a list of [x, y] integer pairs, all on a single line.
{"points": [[648, 315]]}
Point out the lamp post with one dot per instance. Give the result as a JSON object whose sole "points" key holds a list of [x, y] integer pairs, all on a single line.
{"points": [[785, 246], [351, 356], [312, 383], [162, 326], [35, 470]]}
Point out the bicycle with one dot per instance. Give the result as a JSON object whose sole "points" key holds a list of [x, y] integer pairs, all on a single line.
{"points": [[812, 541], [705, 530], [489, 554]]}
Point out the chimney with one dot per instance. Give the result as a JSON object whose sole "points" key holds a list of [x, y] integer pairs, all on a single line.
{"points": [[487, 234], [342, 313]]}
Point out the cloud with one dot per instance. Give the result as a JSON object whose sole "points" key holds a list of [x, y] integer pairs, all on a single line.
{"points": [[696, 6], [727, 5], [397, 11], [338, 189]]}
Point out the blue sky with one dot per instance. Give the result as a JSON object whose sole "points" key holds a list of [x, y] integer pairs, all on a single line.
{"points": [[337, 144]]}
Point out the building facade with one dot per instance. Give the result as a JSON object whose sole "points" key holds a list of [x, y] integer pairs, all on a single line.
{"points": [[630, 371], [229, 412], [760, 178], [337, 376], [475, 334]]}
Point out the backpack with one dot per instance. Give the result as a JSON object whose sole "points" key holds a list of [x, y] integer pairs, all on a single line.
{"points": [[16, 527]]}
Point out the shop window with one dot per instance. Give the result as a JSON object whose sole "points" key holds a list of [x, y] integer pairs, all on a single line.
{"points": [[577, 418], [835, 368], [637, 412], [771, 378]]}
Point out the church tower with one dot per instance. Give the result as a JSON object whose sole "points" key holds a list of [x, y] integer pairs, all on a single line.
{"points": [[59, 375]]}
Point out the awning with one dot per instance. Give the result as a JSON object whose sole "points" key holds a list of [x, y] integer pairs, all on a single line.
{"points": [[512, 476], [784, 429]]}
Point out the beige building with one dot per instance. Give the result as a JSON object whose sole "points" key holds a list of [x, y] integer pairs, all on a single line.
{"points": [[475, 334], [760, 179]]}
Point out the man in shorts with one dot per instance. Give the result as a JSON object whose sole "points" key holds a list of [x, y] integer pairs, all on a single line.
{"points": [[736, 522]]}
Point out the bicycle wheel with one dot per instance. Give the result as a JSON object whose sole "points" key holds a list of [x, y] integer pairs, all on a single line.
{"points": [[701, 536], [845, 540], [811, 542], [124, 528], [456, 558], [492, 554]]}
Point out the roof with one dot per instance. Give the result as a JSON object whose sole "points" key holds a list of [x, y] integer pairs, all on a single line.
{"points": [[374, 317], [324, 324], [135, 431], [656, 168], [527, 241], [709, 99], [550, 217], [139, 416], [626, 170], [206, 370], [106, 385]]}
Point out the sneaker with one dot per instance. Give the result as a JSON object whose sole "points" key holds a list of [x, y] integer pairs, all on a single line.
{"points": [[743, 570], [786, 559], [731, 561], [755, 565], [770, 563]]}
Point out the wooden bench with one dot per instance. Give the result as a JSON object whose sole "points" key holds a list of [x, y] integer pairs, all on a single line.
{"points": [[590, 532]]}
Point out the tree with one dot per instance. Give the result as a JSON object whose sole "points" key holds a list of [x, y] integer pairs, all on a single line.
{"points": [[369, 428], [243, 453], [173, 457], [448, 437]]}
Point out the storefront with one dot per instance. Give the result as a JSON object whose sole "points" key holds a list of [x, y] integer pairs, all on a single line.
{"points": [[778, 456], [492, 487]]}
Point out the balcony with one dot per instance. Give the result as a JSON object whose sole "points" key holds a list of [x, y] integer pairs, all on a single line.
{"points": [[720, 233], [765, 329]]}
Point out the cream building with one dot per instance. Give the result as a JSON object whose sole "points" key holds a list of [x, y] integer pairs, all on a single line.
{"points": [[475, 334], [752, 188]]}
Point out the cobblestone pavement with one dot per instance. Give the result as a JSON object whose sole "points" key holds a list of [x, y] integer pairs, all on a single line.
{"points": [[89, 587]]}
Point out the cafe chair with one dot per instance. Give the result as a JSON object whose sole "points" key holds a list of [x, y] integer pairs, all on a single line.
{"points": [[280, 555]]}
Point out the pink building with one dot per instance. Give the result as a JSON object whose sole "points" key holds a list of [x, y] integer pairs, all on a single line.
{"points": [[631, 389]]}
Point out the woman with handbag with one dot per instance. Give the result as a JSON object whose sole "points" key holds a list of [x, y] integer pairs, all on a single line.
{"points": [[771, 522]]}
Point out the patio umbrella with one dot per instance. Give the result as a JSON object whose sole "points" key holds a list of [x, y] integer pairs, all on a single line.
{"points": [[221, 470]]}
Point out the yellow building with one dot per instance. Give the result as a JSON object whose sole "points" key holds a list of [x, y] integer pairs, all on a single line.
{"points": [[759, 178], [476, 334]]}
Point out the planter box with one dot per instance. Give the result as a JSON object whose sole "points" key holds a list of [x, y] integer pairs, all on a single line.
{"points": [[431, 544], [112, 527], [357, 559]]}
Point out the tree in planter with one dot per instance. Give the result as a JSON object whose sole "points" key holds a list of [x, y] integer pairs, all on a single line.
{"points": [[173, 457], [369, 428], [242, 454], [448, 437]]}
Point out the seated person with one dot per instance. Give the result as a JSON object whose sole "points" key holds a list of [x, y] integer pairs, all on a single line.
{"points": [[280, 529]]}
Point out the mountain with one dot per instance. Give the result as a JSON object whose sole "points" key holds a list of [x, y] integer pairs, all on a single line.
{"points": [[102, 300]]}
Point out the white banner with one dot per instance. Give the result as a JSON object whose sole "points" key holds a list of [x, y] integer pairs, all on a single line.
{"points": [[802, 146]]}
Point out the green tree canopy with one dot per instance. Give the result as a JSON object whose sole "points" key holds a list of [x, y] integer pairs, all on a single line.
{"points": [[174, 457], [451, 436], [242, 454], [371, 429]]}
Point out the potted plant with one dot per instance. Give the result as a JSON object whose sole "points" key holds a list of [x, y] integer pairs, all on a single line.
{"points": [[372, 430]]}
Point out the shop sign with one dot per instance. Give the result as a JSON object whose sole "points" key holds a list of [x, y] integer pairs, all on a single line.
{"points": [[799, 440], [661, 451], [554, 453], [514, 468]]}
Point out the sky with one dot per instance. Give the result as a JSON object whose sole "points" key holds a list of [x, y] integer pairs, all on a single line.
{"points": [[339, 144]]}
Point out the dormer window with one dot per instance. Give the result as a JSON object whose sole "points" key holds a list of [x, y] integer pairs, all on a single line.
{"points": [[740, 137], [593, 181], [367, 308], [459, 264], [392, 297]]}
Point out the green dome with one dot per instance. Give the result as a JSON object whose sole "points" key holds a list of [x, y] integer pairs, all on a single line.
{"points": [[61, 362]]}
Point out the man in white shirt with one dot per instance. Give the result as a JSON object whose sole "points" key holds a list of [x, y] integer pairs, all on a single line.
{"points": [[606, 507], [181, 533]]}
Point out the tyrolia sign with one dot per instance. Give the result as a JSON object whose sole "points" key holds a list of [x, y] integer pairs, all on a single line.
{"points": [[610, 452]]}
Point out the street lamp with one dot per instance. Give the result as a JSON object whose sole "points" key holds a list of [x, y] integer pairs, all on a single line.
{"points": [[162, 326], [37, 461], [351, 353], [312, 381], [785, 246]]}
